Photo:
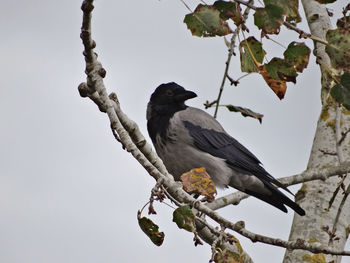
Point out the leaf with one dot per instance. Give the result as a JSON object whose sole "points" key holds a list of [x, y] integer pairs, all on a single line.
{"points": [[184, 218], [269, 19], [227, 256], [198, 181], [341, 91], [344, 22], [247, 62], [245, 112], [205, 21], [339, 51], [315, 258], [279, 69], [326, 1], [150, 229], [229, 10], [279, 87], [290, 9], [297, 54]]}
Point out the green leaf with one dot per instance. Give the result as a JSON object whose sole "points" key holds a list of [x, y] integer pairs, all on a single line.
{"points": [[205, 21], [229, 10], [326, 1], [279, 69], [247, 62], [269, 19], [290, 8], [150, 229], [245, 112], [184, 218], [341, 91], [297, 54], [279, 87], [339, 50]]}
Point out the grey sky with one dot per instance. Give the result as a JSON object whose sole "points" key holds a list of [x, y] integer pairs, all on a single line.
{"points": [[68, 192]]}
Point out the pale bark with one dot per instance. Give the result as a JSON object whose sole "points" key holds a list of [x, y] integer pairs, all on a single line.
{"points": [[314, 196]]}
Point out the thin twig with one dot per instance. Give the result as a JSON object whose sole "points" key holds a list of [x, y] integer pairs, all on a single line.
{"points": [[217, 242], [247, 3], [230, 53], [189, 9], [338, 134], [303, 34], [229, 56], [276, 42], [343, 134]]}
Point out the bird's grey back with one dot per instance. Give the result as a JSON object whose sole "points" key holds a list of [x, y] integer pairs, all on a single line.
{"points": [[179, 153]]}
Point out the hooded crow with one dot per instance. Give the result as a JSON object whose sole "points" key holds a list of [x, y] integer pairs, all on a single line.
{"points": [[185, 138]]}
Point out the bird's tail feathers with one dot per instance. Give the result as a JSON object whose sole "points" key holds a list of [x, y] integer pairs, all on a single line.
{"points": [[277, 199]]}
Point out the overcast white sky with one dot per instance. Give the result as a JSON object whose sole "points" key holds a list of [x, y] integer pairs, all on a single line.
{"points": [[68, 192]]}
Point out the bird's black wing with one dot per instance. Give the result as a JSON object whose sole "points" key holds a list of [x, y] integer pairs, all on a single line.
{"points": [[224, 146]]}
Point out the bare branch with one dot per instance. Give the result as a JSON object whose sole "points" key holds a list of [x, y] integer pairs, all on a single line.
{"points": [[303, 34], [298, 244], [229, 56], [308, 175], [239, 227]]}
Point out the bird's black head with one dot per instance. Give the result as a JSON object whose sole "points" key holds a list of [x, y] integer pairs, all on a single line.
{"points": [[165, 101], [171, 94]]}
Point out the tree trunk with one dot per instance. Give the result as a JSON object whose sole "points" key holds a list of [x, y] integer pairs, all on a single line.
{"points": [[315, 196]]}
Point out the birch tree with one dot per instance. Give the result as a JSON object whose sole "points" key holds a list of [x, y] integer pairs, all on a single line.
{"points": [[320, 236]]}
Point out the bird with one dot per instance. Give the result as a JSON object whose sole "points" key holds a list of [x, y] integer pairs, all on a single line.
{"points": [[186, 137]]}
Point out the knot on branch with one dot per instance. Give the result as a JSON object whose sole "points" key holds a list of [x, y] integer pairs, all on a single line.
{"points": [[114, 97], [83, 90], [240, 224], [141, 143], [85, 34], [102, 72], [196, 204], [87, 6]]}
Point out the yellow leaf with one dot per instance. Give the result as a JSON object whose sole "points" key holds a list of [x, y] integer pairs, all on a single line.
{"points": [[198, 181]]}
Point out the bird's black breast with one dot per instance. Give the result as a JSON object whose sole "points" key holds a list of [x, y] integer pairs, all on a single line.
{"points": [[158, 125], [159, 121]]}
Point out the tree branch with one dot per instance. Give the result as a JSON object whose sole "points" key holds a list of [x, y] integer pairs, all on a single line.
{"points": [[303, 34], [230, 53], [306, 176]]}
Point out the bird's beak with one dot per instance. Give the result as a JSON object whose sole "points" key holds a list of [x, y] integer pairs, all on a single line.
{"points": [[185, 96]]}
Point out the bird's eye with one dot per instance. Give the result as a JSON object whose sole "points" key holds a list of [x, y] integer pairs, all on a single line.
{"points": [[169, 93]]}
